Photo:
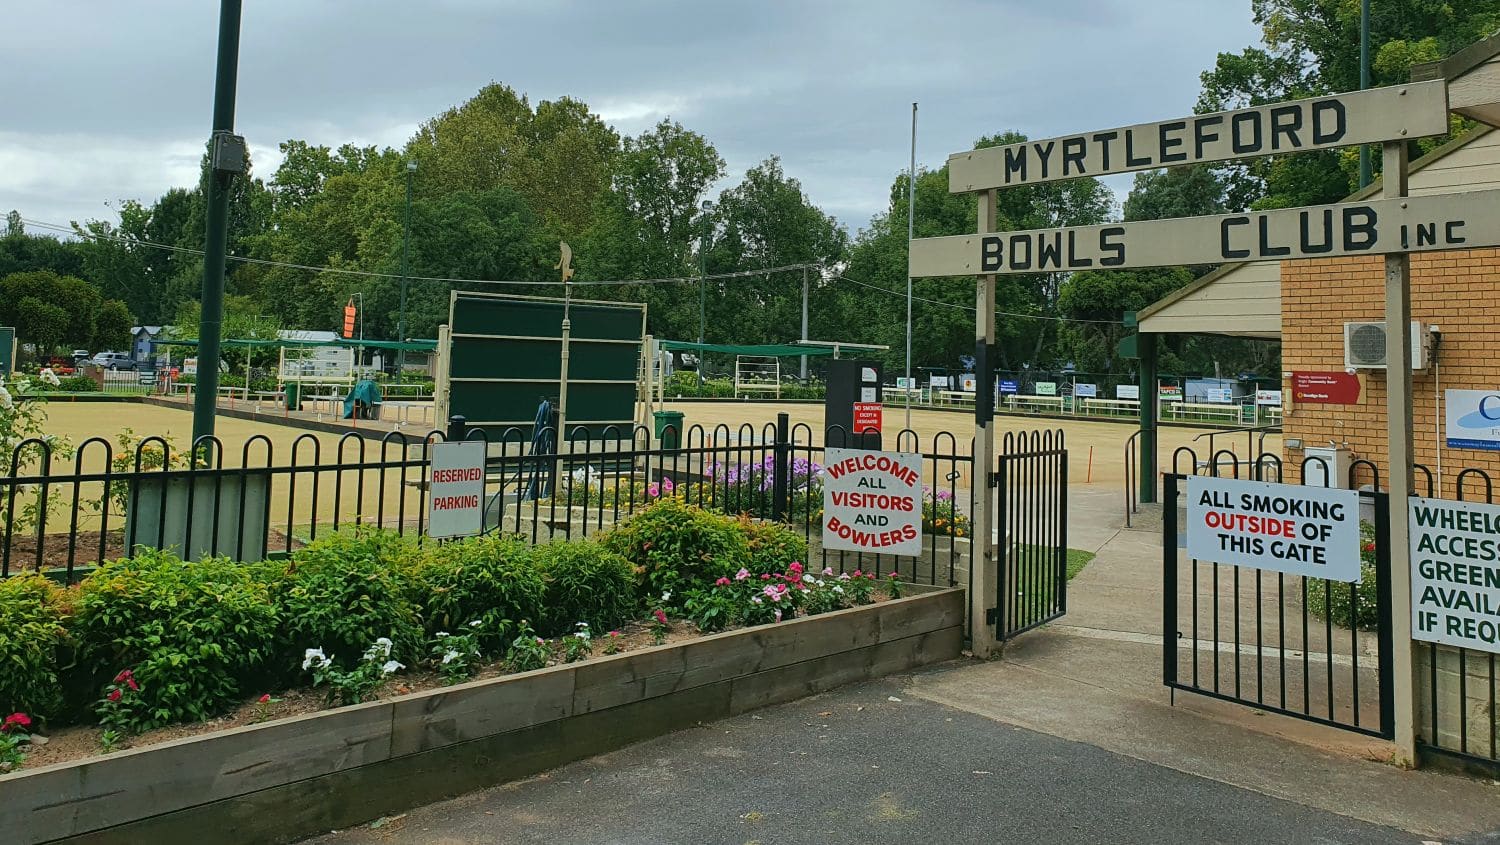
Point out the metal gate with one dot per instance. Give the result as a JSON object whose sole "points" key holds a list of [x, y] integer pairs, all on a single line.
{"points": [[1304, 647], [1031, 531]]}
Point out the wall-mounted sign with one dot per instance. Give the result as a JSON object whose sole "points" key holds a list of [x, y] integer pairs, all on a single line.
{"points": [[1046, 388], [189, 366], [1397, 112], [455, 489], [1086, 391], [938, 382], [1473, 419], [1169, 393], [1009, 386], [1455, 573], [1311, 531], [1411, 224], [967, 382], [1220, 395], [868, 375], [872, 501], [1127, 391], [1331, 388], [1268, 397], [867, 417], [904, 383], [867, 394]]}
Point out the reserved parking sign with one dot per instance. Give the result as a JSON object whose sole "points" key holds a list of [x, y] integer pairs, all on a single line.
{"points": [[455, 490]]}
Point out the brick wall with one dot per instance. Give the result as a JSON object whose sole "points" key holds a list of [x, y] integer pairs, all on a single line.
{"points": [[1457, 291]]}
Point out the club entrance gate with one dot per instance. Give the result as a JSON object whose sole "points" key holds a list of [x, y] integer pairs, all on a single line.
{"points": [[1031, 478], [1299, 646]]}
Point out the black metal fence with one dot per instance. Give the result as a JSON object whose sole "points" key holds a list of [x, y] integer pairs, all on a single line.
{"points": [[60, 513], [1256, 637], [1032, 479]]}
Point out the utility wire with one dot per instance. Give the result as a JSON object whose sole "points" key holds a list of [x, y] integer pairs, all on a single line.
{"points": [[971, 310]]}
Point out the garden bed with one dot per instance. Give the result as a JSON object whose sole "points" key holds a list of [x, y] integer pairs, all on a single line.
{"points": [[296, 776]]}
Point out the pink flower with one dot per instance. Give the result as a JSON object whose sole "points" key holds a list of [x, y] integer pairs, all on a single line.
{"points": [[265, 699], [722, 582], [125, 675], [667, 485], [766, 577], [15, 720], [130, 682], [742, 574], [778, 614], [653, 489], [858, 574], [795, 568], [661, 616], [114, 695], [827, 570], [614, 633]]}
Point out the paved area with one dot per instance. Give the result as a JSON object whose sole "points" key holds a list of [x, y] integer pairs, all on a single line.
{"points": [[854, 766]]}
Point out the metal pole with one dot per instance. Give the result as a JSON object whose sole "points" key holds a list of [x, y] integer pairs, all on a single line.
{"points": [[1146, 400], [1399, 424], [983, 578], [911, 218], [1364, 82], [411, 167], [567, 332], [804, 321], [211, 316], [702, 285]]}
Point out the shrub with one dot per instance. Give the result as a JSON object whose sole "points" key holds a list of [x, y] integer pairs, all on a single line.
{"points": [[673, 545], [1332, 600], [586, 582], [192, 634], [78, 384], [773, 546], [32, 612], [347, 590], [492, 580]]}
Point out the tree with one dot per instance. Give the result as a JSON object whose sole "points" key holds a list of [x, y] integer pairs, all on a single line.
{"points": [[40, 323], [79, 302], [1193, 191], [1092, 305], [112, 325]]}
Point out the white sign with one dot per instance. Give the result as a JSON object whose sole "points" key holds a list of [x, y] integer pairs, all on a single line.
{"points": [[1086, 391], [904, 383], [968, 382], [1399, 112], [872, 501], [189, 366], [455, 489], [1127, 391], [1218, 394], [867, 394], [867, 375], [1410, 224], [1268, 397], [1046, 388], [1455, 573], [1473, 419], [1311, 531], [938, 382]]}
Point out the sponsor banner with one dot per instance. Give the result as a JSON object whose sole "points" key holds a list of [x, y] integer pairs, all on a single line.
{"points": [[1473, 419], [1169, 393], [1220, 395], [967, 382], [1331, 388], [1268, 397], [1009, 386], [1455, 573], [455, 485], [1046, 388], [1310, 531], [1127, 391], [1086, 391], [872, 501]]}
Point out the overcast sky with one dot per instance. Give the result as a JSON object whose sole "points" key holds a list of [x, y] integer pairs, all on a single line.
{"points": [[102, 100]]}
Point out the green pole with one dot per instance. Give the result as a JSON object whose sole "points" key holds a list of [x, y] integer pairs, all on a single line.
{"points": [[212, 313], [1365, 176], [411, 167], [1147, 350]]}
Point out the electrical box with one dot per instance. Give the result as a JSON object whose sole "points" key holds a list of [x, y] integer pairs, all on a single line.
{"points": [[1326, 466]]}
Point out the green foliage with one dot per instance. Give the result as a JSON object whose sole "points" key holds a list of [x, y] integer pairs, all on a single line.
{"points": [[456, 656], [493, 581], [674, 545], [773, 545], [713, 608], [527, 651], [1349, 605], [33, 611], [194, 634], [357, 684], [578, 645], [585, 582], [78, 384], [347, 590]]}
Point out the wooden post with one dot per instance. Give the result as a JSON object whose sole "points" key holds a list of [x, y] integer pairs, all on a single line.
{"points": [[983, 586]]}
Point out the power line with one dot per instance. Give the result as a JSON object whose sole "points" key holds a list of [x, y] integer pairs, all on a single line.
{"points": [[971, 310]]}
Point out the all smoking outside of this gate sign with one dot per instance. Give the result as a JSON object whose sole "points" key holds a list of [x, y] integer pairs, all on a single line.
{"points": [[1310, 531]]}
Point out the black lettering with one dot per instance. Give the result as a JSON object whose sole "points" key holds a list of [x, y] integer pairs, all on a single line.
{"points": [[1114, 252], [990, 253], [1074, 262], [1104, 138], [1042, 154], [1015, 163], [1359, 220], [1310, 248], [1167, 143], [1016, 261], [1224, 249], [1323, 112], [1046, 252], [1426, 234], [1237, 135], [1074, 150], [1285, 121], [1405, 239], [1201, 135], [1450, 231], [1130, 159], [1265, 238]]}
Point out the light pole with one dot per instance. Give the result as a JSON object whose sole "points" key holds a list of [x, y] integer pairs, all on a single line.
{"points": [[411, 168], [706, 207], [1365, 174]]}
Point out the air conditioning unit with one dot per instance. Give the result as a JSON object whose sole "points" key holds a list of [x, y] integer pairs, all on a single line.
{"points": [[1365, 346]]}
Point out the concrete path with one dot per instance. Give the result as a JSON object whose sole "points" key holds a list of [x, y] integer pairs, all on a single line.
{"points": [[856, 766]]}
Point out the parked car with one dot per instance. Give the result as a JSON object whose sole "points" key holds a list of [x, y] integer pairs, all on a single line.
{"points": [[114, 361], [81, 356]]}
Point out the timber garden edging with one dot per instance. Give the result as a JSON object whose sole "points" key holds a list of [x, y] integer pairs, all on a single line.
{"points": [[297, 777]]}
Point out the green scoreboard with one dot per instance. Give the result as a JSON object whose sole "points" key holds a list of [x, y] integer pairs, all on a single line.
{"points": [[7, 352]]}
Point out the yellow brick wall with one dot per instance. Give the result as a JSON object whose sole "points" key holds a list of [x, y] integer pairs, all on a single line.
{"points": [[1457, 291]]}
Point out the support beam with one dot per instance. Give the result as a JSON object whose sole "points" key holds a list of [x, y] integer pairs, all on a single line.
{"points": [[983, 575], [1146, 348], [1398, 410]]}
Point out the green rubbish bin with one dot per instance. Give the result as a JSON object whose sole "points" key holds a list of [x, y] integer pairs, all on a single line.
{"points": [[293, 396], [665, 419]]}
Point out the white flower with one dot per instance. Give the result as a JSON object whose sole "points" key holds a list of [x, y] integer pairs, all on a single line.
{"points": [[5, 402], [314, 658], [844, 577], [384, 644], [808, 578], [667, 596], [475, 624], [50, 377], [838, 589], [441, 634], [449, 657], [392, 666]]}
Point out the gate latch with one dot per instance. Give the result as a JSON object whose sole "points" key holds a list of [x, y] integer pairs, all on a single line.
{"points": [[994, 478], [992, 616]]}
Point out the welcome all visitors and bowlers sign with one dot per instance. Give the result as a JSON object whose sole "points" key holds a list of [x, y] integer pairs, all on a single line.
{"points": [[872, 501], [1311, 531]]}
